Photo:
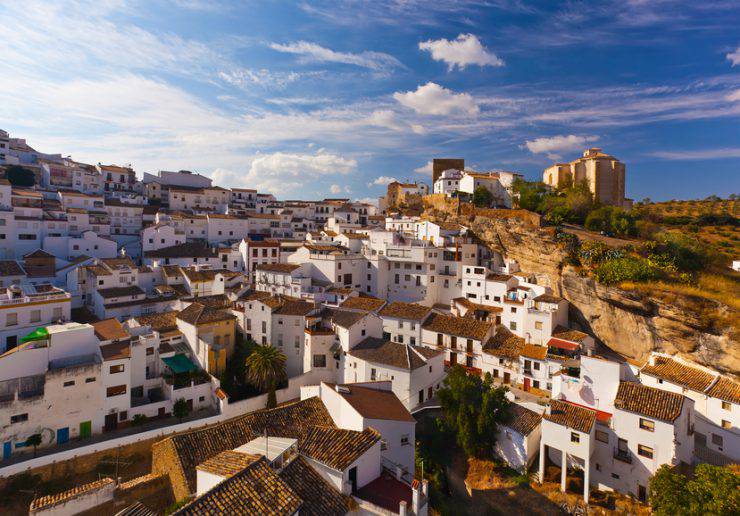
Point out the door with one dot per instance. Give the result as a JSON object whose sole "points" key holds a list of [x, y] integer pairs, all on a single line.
{"points": [[86, 429], [641, 493], [453, 358], [429, 392], [526, 384], [7, 450], [62, 435], [421, 396], [111, 422], [353, 479], [507, 377]]}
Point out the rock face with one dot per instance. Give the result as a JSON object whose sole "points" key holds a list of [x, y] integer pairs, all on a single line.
{"points": [[630, 323]]}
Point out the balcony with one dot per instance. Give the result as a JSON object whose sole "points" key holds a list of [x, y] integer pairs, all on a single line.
{"points": [[623, 455]]}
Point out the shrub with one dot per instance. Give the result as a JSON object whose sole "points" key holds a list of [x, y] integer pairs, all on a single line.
{"points": [[139, 420], [627, 268]]}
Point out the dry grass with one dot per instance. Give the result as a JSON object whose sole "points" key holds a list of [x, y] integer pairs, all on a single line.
{"points": [[694, 208], [483, 475]]}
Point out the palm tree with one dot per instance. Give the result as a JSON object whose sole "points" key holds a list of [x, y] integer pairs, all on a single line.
{"points": [[265, 370]]}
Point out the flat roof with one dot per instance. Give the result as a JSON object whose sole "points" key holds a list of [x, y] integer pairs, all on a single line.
{"points": [[270, 447]]}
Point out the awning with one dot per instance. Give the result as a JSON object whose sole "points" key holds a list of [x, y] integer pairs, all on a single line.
{"points": [[37, 334], [562, 344], [180, 364]]}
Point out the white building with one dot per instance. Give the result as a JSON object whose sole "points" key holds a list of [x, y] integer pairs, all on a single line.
{"points": [[518, 441], [448, 182], [24, 307]]}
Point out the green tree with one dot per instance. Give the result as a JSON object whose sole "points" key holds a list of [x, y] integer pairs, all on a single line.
{"points": [[35, 441], [180, 409], [234, 378], [528, 195], [139, 420], [712, 490], [482, 198], [266, 370], [19, 176], [472, 409]]}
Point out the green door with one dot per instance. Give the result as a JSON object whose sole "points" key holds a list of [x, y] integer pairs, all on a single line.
{"points": [[86, 429]]}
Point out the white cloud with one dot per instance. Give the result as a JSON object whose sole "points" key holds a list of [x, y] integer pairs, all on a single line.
{"points": [[245, 77], [461, 52], [425, 169], [733, 96], [382, 181], [335, 189], [734, 57], [368, 200], [691, 155], [553, 145], [283, 171], [433, 99], [316, 53]]}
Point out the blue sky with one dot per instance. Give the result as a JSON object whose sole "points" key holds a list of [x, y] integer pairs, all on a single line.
{"points": [[312, 99]]}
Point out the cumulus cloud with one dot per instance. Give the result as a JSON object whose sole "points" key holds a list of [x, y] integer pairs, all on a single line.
{"points": [[316, 53], [461, 52], [433, 99], [335, 189], [382, 181], [554, 145], [734, 57], [424, 169], [281, 171]]}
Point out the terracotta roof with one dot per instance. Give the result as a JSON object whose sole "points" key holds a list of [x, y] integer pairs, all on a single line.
{"points": [[336, 447], [186, 250], [116, 351], [504, 343], [410, 311], [364, 303], [561, 332], [458, 326], [648, 401], [197, 313], [320, 498], [196, 446], [286, 305], [675, 372], [257, 489], [38, 253], [571, 416], [356, 236], [263, 243], [285, 268], [548, 298], [172, 270], [374, 403], [345, 318], [46, 502], [725, 389], [201, 275], [108, 293], [227, 463], [11, 268], [533, 351], [110, 329], [394, 354], [523, 420]]}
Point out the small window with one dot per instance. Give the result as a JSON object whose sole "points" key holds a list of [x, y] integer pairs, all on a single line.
{"points": [[538, 325], [645, 451], [726, 405], [648, 425], [118, 390], [717, 440], [602, 436], [405, 440], [69, 383], [574, 437], [18, 418], [149, 351], [123, 415], [90, 380], [615, 476], [726, 424], [116, 369]]}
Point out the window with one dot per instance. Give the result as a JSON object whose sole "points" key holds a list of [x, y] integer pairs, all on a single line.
{"points": [[90, 380], [319, 360], [512, 325], [11, 319], [726, 405], [18, 418], [726, 424], [35, 315], [536, 366], [57, 313], [118, 390], [602, 436], [648, 425], [538, 325], [123, 415], [405, 440], [574, 437], [717, 440], [645, 451], [116, 369], [615, 476]]}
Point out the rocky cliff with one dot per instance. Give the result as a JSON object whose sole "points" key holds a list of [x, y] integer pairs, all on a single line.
{"points": [[631, 323]]}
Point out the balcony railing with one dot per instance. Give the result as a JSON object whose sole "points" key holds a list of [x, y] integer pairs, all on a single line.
{"points": [[20, 300], [623, 455]]}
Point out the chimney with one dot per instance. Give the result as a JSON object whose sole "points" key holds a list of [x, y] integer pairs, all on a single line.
{"points": [[415, 496], [402, 508]]}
